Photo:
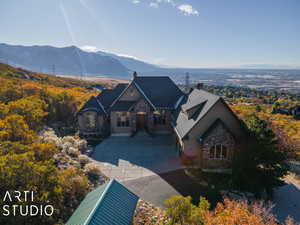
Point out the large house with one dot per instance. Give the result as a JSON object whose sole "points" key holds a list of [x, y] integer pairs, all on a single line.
{"points": [[206, 132]]}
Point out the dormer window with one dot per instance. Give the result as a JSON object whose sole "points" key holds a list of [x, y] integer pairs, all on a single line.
{"points": [[193, 112], [218, 152]]}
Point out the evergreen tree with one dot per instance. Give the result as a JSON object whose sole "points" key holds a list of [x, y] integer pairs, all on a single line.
{"points": [[263, 165]]}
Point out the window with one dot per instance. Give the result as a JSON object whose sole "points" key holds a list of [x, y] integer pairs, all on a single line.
{"points": [[218, 152], [123, 119], [90, 120], [159, 117]]}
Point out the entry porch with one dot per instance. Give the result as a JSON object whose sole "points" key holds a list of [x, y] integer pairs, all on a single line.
{"points": [[131, 122]]}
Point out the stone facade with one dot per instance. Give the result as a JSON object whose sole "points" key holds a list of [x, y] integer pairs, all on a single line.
{"points": [[208, 143], [91, 124], [141, 106], [218, 137]]}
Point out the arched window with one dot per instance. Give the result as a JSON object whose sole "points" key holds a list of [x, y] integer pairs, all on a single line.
{"points": [[218, 152]]}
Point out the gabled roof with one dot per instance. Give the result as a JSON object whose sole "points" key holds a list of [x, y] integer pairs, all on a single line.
{"points": [[102, 102], [159, 91], [182, 123], [213, 126], [107, 96], [162, 92], [93, 104], [110, 203]]}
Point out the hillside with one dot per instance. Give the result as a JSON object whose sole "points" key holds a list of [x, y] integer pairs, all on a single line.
{"points": [[39, 148], [67, 60]]}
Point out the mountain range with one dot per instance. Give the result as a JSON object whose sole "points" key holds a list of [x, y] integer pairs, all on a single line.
{"points": [[71, 61], [75, 61]]}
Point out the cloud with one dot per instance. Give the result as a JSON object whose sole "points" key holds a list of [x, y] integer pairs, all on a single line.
{"points": [[188, 10], [89, 48], [127, 56]]}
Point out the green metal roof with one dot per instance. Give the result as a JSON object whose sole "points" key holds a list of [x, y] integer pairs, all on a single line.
{"points": [[109, 204]]}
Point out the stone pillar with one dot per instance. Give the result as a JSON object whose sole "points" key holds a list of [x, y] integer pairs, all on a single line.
{"points": [[150, 121]]}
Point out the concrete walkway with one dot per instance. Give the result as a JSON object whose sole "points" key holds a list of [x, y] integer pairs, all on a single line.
{"points": [[127, 158]]}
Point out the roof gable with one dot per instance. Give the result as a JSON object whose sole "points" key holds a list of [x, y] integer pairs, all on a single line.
{"points": [[110, 203], [183, 124], [107, 96], [93, 104], [216, 123], [161, 91]]}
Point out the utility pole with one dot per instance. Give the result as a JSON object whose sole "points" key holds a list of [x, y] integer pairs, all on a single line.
{"points": [[53, 68], [81, 73]]}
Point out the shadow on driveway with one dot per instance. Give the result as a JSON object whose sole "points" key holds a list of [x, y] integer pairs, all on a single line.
{"points": [[149, 166]]}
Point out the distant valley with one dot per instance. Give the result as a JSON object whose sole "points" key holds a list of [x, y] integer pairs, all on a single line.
{"points": [[74, 61]]}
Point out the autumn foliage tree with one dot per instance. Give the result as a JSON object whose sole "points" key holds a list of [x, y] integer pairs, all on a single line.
{"points": [[26, 105], [180, 211]]}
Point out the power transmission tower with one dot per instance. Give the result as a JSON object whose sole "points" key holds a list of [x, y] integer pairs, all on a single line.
{"points": [[187, 82]]}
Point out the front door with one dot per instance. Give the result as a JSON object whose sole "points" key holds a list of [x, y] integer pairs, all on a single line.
{"points": [[141, 121]]}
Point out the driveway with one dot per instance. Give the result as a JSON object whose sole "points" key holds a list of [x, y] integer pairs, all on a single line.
{"points": [[128, 158], [287, 199]]}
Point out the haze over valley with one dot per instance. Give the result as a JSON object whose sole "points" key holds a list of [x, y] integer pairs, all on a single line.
{"points": [[77, 62]]}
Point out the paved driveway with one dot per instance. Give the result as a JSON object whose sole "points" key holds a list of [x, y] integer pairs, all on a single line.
{"points": [[128, 158]]}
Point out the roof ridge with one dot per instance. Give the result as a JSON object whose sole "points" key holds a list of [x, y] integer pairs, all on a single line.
{"points": [[98, 202], [207, 92]]}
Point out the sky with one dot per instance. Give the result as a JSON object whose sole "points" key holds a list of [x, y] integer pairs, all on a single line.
{"points": [[181, 33]]}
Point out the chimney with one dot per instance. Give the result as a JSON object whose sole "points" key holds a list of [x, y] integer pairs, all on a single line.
{"points": [[134, 75], [200, 86]]}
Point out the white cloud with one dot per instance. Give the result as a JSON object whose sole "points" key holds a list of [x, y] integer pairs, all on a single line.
{"points": [[89, 48], [127, 56], [188, 10]]}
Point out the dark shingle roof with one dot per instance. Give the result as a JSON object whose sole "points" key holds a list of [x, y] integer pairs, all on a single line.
{"points": [[111, 203], [122, 106], [102, 102], [162, 92], [107, 96], [92, 104], [204, 99]]}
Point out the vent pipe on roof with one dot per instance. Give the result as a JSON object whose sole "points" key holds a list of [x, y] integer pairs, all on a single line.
{"points": [[135, 74], [200, 86]]}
